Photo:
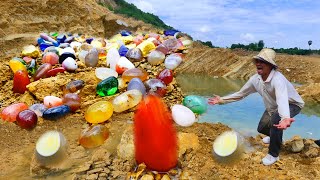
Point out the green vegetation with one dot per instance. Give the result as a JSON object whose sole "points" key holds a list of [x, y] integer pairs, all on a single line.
{"points": [[207, 43], [131, 10], [258, 46]]}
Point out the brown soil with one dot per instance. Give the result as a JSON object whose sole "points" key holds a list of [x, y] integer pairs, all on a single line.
{"points": [[21, 23]]}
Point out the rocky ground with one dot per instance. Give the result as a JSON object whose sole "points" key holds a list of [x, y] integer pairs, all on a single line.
{"points": [[21, 23]]}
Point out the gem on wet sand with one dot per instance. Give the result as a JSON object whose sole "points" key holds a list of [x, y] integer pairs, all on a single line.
{"points": [[107, 87], [42, 71], [99, 112], [225, 144], [93, 136], [51, 148], [10, 113], [27, 119], [126, 100]]}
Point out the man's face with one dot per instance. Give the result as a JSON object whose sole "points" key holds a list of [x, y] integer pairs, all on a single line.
{"points": [[263, 68]]}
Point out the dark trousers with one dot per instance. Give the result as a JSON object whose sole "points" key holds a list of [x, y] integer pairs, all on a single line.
{"points": [[266, 127]]}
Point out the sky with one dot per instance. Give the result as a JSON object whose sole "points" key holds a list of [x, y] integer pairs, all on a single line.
{"points": [[279, 23]]}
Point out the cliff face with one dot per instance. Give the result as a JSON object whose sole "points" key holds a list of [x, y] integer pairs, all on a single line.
{"points": [[22, 21]]}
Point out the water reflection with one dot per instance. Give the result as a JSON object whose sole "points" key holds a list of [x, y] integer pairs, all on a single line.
{"points": [[244, 115]]}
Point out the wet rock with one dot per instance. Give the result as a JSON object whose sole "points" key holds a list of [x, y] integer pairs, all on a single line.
{"points": [[125, 149], [297, 145]]}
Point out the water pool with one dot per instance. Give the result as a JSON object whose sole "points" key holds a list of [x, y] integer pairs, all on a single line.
{"points": [[244, 115]]}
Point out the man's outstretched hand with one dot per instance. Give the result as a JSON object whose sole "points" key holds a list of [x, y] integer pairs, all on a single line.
{"points": [[284, 124], [214, 100]]}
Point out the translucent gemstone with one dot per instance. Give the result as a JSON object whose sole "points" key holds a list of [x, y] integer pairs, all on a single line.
{"points": [[225, 144], [196, 104], [99, 112], [170, 32], [123, 65], [32, 68], [96, 43], [125, 33], [146, 47], [172, 44], [55, 113], [113, 58], [155, 136], [72, 100], [38, 109], [51, 49], [123, 50], [91, 58], [30, 51], [17, 65], [55, 71], [126, 100], [183, 115], [51, 149], [93, 136], [156, 86], [65, 55], [10, 113], [52, 101], [75, 45], [51, 58], [134, 55], [138, 40], [187, 43], [20, 81], [73, 86], [70, 64], [27, 119], [102, 54], [165, 76], [107, 87], [121, 83], [82, 55], [42, 71], [172, 61], [103, 73], [162, 48], [136, 83], [69, 40], [156, 57], [134, 73], [27, 59]]}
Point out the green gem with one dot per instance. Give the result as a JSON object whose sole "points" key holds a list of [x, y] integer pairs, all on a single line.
{"points": [[19, 59], [196, 104], [54, 34], [108, 86]]}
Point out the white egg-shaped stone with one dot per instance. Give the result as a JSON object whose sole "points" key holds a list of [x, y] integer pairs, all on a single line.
{"points": [[113, 57], [183, 115], [82, 55], [75, 45], [172, 61], [123, 65], [126, 100], [103, 73], [69, 64], [68, 50]]}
